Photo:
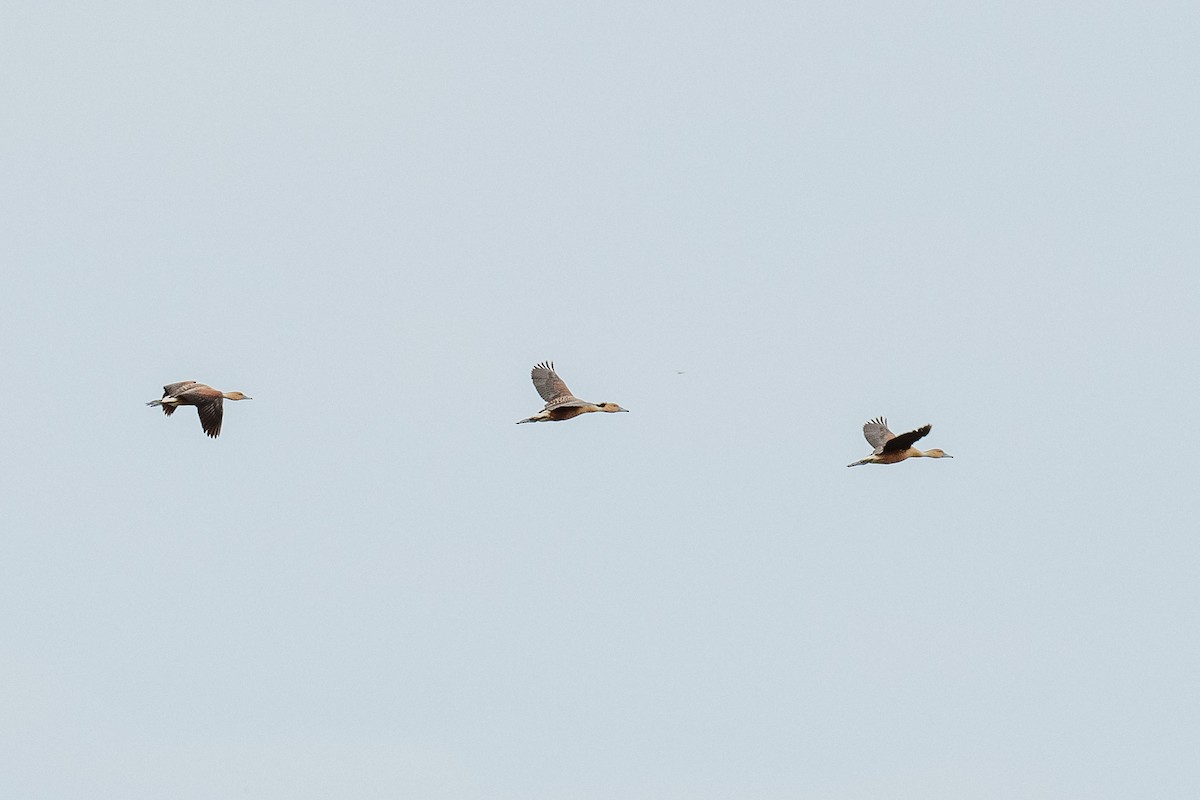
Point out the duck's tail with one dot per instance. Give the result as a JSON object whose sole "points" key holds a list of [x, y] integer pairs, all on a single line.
{"points": [[168, 408]]}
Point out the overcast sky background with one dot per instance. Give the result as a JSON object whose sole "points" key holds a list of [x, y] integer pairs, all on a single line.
{"points": [[756, 226]]}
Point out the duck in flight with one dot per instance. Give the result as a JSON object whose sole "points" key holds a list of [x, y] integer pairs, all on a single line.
{"points": [[560, 403], [892, 449], [206, 399]]}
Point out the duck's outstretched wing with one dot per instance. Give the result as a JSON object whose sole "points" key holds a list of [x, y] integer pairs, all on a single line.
{"points": [[905, 440], [550, 386], [877, 434], [211, 412]]}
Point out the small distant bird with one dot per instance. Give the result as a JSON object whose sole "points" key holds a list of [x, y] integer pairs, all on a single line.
{"points": [[892, 449], [206, 399], [560, 403]]}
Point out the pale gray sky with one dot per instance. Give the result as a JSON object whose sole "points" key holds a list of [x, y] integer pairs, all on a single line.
{"points": [[374, 218]]}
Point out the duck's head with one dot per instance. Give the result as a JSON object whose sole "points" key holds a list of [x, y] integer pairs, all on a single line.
{"points": [[610, 408], [937, 453], [235, 396]]}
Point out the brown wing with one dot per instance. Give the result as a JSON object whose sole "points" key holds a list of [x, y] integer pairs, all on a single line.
{"points": [[905, 440], [210, 412], [172, 389], [568, 402], [877, 434], [549, 385]]}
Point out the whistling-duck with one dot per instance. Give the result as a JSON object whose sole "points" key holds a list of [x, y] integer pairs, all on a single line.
{"points": [[206, 399], [560, 403], [892, 449]]}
